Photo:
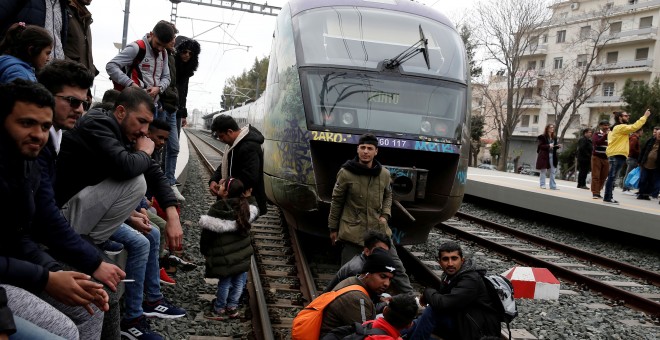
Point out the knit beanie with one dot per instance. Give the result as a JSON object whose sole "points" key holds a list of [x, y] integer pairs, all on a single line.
{"points": [[378, 262]]}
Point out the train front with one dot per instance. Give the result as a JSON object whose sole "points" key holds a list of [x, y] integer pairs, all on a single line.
{"points": [[354, 79]]}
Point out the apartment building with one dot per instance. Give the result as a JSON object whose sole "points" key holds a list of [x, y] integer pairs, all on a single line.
{"points": [[624, 34]]}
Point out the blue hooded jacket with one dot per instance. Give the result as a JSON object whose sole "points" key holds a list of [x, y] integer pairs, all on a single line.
{"points": [[13, 68]]}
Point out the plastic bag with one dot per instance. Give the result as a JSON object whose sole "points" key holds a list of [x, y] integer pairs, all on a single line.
{"points": [[632, 180]]}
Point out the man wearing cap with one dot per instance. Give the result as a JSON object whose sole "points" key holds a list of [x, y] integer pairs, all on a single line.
{"points": [[461, 307], [362, 201], [355, 306]]}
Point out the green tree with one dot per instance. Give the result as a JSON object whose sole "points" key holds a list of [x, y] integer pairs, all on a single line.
{"points": [[477, 123], [470, 48], [640, 96], [495, 151], [247, 87]]}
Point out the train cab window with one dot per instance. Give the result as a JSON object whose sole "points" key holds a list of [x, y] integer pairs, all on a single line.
{"points": [[365, 37]]}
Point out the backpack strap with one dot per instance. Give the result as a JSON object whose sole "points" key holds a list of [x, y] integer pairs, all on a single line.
{"points": [[351, 288], [133, 71]]}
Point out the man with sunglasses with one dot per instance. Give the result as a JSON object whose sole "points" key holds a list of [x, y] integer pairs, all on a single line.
{"points": [[618, 148]]}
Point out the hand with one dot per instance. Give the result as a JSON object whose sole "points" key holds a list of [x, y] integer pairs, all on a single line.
{"points": [[109, 274], [214, 187], [73, 288], [101, 297], [173, 229], [153, 91], [333, 237], [136, 86], [145, 144], [647, 113], [184, 122], [383, 220], [4, 336], [139, 221]]}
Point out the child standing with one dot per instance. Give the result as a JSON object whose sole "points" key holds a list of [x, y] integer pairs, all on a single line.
{"points": [[225, 243]]}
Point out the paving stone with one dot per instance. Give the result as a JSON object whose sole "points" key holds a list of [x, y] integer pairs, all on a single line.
{"points": [[592, 273], [623, 284], [595, 305]]}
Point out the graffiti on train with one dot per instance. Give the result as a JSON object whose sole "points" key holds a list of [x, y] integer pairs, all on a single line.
{"points": [[386, 142], [397, 235], [295, 156]]}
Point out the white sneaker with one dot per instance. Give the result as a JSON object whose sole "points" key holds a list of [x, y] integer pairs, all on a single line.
{"points": [[178, 195], [629, 193]]}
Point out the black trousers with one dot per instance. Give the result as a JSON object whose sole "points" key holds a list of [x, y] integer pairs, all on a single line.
{"points": [[584, 167]]}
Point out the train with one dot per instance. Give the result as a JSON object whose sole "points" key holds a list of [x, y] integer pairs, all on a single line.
{"points": [[342, 68]]}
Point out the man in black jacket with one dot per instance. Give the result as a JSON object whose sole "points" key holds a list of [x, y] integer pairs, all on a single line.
{"points": [[461, 307], [26, 114], [243, 158], [649, 162], [584, 150]]}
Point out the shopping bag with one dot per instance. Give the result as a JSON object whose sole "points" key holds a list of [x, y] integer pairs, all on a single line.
{"points": [[632, 180]]}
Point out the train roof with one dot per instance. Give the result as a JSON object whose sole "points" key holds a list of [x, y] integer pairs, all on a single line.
{"points": [[406, 6]]}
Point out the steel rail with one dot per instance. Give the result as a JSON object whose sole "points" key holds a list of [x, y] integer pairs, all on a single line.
{"points": [[629, 299], [307, 284]]}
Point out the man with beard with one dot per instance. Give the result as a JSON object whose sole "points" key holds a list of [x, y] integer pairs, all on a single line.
{"points": [[362, 201]]}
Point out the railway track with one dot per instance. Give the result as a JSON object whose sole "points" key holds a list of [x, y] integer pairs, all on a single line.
{"points": [[619, 281]]}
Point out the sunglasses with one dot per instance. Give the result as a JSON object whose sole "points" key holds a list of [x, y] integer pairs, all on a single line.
{"points": [[75, 102]]}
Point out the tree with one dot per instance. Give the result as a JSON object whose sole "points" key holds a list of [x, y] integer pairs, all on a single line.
{"points": [[506, 33], [247, 87], [572, 84], [470, 49], [640, 96], [477, 123], [496, 150]]}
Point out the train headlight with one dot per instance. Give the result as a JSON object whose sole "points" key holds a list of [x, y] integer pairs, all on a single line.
{"points": [[426, 126], [347, 118], [441, 129]]}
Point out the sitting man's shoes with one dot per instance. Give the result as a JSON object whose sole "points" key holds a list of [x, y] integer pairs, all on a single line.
{"points": [[181, 263], [111, 247], [178, 195], [137, 329], [165, 278], [162, 309]]}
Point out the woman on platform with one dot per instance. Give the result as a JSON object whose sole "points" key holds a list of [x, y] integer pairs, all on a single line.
{"points": [[547, 155]]}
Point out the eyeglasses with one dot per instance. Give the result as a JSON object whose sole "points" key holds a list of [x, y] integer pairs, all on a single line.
{"points": [[75, 102]]}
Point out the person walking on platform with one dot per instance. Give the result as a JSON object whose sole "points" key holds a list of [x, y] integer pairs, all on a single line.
{"points": [[584, 150], [362, 201], [649, 162], [546, 159], [618, 148], [633, 156], [599, 164]]}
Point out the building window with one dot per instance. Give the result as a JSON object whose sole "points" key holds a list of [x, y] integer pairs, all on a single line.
{"points": [[609, 5], [558, 63], [531, 65], [642, 53], [561, 36], [524, 121], [632, 2], [554, 91], [582, 60], [615, 27], [542, 64], [608, 89], [544, 39], [637, 83], [534, 41], [529, 92], [612, 57], [645, 22], [536, 119], [585, 32]]}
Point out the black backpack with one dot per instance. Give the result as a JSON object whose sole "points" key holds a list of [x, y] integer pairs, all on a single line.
{"points": [[356, 331], [500, 291]]}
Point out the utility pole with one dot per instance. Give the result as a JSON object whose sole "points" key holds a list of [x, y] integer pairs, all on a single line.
{"points": [[126, 12]]}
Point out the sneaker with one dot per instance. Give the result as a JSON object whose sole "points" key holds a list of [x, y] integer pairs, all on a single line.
{"points": [[584, 187], [644, 197], [215, 314], [597, 196], [166, 279], [137, 329], [232, 313], [611, 201], [162, 309], [177, 193], [177, 183], [543, 187], [111, 247], [554, 188], [181, 263], [629, 193]]}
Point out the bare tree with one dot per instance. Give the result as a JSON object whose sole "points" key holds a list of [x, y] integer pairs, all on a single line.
{"points": [[568, 87], [510, 29]]}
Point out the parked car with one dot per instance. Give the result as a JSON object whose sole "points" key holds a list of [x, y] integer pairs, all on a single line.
{"points": [[487, 166]]}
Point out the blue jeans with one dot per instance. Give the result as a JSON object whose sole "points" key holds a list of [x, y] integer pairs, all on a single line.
{"points": [[141, 266], [429, 323], [616, 163], [172, 146], [553, 172], [26, 330], [229, 291]]}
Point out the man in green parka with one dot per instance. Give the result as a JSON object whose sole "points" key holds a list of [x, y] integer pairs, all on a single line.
{"points": [[362, 201]]}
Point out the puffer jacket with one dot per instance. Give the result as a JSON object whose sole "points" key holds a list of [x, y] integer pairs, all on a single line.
{"points": [[227, 250], [360, 197], [348, 308], [464, 297], [13, 68], [617, 140]]}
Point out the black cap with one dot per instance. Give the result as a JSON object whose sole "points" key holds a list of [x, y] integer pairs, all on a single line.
{"points": [[368, 138], [379, 261]]}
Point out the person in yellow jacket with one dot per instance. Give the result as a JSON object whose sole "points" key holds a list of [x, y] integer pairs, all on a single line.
{"points": [[618, 148]]}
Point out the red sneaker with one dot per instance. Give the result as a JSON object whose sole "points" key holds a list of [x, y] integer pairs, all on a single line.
{"points": [[166, 279]]}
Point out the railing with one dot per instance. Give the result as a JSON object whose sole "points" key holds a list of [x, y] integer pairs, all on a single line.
{"points": [[604, 99], [526, 130], [630, 33], [623, 64], [531, 101], [537, 49]]}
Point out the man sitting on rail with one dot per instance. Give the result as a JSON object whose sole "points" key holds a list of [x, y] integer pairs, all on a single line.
{"points": [[461, 307], [372, 239], [103, 173], [26, 115], [355, 306]]}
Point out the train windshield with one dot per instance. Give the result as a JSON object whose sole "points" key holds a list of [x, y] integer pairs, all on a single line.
{"points": [[350, 101], [365, 37]]}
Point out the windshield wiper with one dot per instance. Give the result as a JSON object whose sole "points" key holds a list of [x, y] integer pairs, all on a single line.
{"points": [[420, 46]]}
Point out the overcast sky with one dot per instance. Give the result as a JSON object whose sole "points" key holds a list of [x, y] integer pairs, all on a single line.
{"points": [[217, 61]]}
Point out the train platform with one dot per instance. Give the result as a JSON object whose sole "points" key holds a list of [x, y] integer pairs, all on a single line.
{"points": [[631, 216]]}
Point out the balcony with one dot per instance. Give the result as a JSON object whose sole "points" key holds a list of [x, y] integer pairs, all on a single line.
{"points": [[531, 102], [638, 36], [525, 131], [604, 101], [539, 49], [623, 67]]}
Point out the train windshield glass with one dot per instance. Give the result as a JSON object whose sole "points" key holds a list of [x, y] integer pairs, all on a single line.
{"points": [[364, 37], [342, 101]]}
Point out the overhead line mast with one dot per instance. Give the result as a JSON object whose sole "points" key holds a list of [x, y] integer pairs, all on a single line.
{"points": [[243, 6]]}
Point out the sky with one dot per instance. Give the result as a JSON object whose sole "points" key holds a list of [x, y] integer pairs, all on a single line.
{"points": [[218, 62]]}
